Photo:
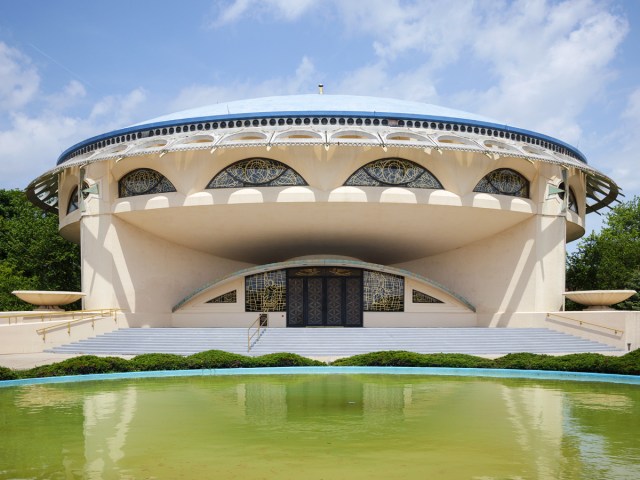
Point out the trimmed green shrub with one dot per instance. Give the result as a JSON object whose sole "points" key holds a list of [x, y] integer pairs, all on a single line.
{"points": [[158, 361], [579, 362], [401, 358], [522, 361], [7, 374], [83, 365], [285, 360], [628, 364], [219, 359]]}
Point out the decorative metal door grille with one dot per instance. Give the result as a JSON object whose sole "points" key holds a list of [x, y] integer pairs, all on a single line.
{"points": [[335, 301], [324, 296], [295, 303], [354, 302]]}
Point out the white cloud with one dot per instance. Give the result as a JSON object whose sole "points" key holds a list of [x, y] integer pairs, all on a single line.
{"points": [[199, 94], [288, 10], [549, 62], [537, 64], [620, 153], [31, 143], [431, 32], [34, 126], [19, 80], [28, 146], [376, 80], [116, 111], [73, 92]]}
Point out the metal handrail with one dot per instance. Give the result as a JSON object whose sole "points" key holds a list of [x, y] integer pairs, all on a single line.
{"points": [[262, 324], [92, 315], [581, 322], [48, 314]]}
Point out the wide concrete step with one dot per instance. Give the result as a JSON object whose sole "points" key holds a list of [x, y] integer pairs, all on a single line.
{"points": [[334, 342]]}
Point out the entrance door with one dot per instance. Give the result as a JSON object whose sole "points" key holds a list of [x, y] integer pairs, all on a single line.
{"points": [[324, 297]]}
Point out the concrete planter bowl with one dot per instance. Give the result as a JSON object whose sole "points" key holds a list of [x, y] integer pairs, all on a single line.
{"points": [[47, 300], [599, 299]]}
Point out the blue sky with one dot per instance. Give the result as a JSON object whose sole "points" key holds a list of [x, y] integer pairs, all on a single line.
{"points": [[71, 69]]}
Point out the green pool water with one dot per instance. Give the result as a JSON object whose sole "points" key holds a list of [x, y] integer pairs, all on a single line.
{"points": [[321, 427]]}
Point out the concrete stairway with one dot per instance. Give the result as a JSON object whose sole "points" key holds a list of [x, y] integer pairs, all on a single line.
{"points": [[334, 342]]}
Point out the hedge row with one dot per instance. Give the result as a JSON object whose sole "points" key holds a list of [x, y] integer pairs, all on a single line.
{"points": [[628, 364]]}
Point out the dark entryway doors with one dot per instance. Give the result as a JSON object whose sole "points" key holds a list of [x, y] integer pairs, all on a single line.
{"points": [[324, 297]]}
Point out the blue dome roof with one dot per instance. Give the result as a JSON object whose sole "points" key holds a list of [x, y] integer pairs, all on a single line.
{"points": [[320, 104], [314, 105]]}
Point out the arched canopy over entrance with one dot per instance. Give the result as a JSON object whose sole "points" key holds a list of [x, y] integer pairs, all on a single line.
{"points": [[327, 292]]}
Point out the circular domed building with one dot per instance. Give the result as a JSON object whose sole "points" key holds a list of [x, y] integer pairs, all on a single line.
{"points": [[325, 211]]}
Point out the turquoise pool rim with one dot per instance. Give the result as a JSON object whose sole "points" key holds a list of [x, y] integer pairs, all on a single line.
{"points": [[424, 371]]}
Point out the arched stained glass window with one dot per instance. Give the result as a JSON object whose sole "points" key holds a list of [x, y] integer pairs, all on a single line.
{"points": [[144, 181], [74, 201], [74, 198], [256, 172], [572, 202], [393, 172], [504, 181]]}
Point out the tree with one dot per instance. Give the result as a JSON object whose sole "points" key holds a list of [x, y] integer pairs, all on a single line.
{"points": [[33, 255], [610, 260]]}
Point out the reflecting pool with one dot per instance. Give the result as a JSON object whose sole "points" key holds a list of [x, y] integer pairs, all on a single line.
{"points": [[321, 427]]}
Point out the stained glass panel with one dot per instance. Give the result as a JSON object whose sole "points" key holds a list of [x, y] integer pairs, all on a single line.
{"points": [[504, 181], [256, 172], [420, 297], [229, 297], [73, 201], [266, 292], [144, 181], [74, 198], [383, 292], [573, 203], [393, 172]]}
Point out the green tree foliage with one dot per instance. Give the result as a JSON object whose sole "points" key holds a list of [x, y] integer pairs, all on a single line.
{"points": [[610, 260], [33, 255]]}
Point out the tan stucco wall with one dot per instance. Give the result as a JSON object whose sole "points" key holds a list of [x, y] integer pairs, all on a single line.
{"points": [[520, 269]]}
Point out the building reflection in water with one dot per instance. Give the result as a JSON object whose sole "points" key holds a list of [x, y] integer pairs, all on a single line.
{"points": [[550, 430]]}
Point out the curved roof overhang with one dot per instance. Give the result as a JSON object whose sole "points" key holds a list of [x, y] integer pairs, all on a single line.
{"points": [[327, 262], [431, 135]]}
